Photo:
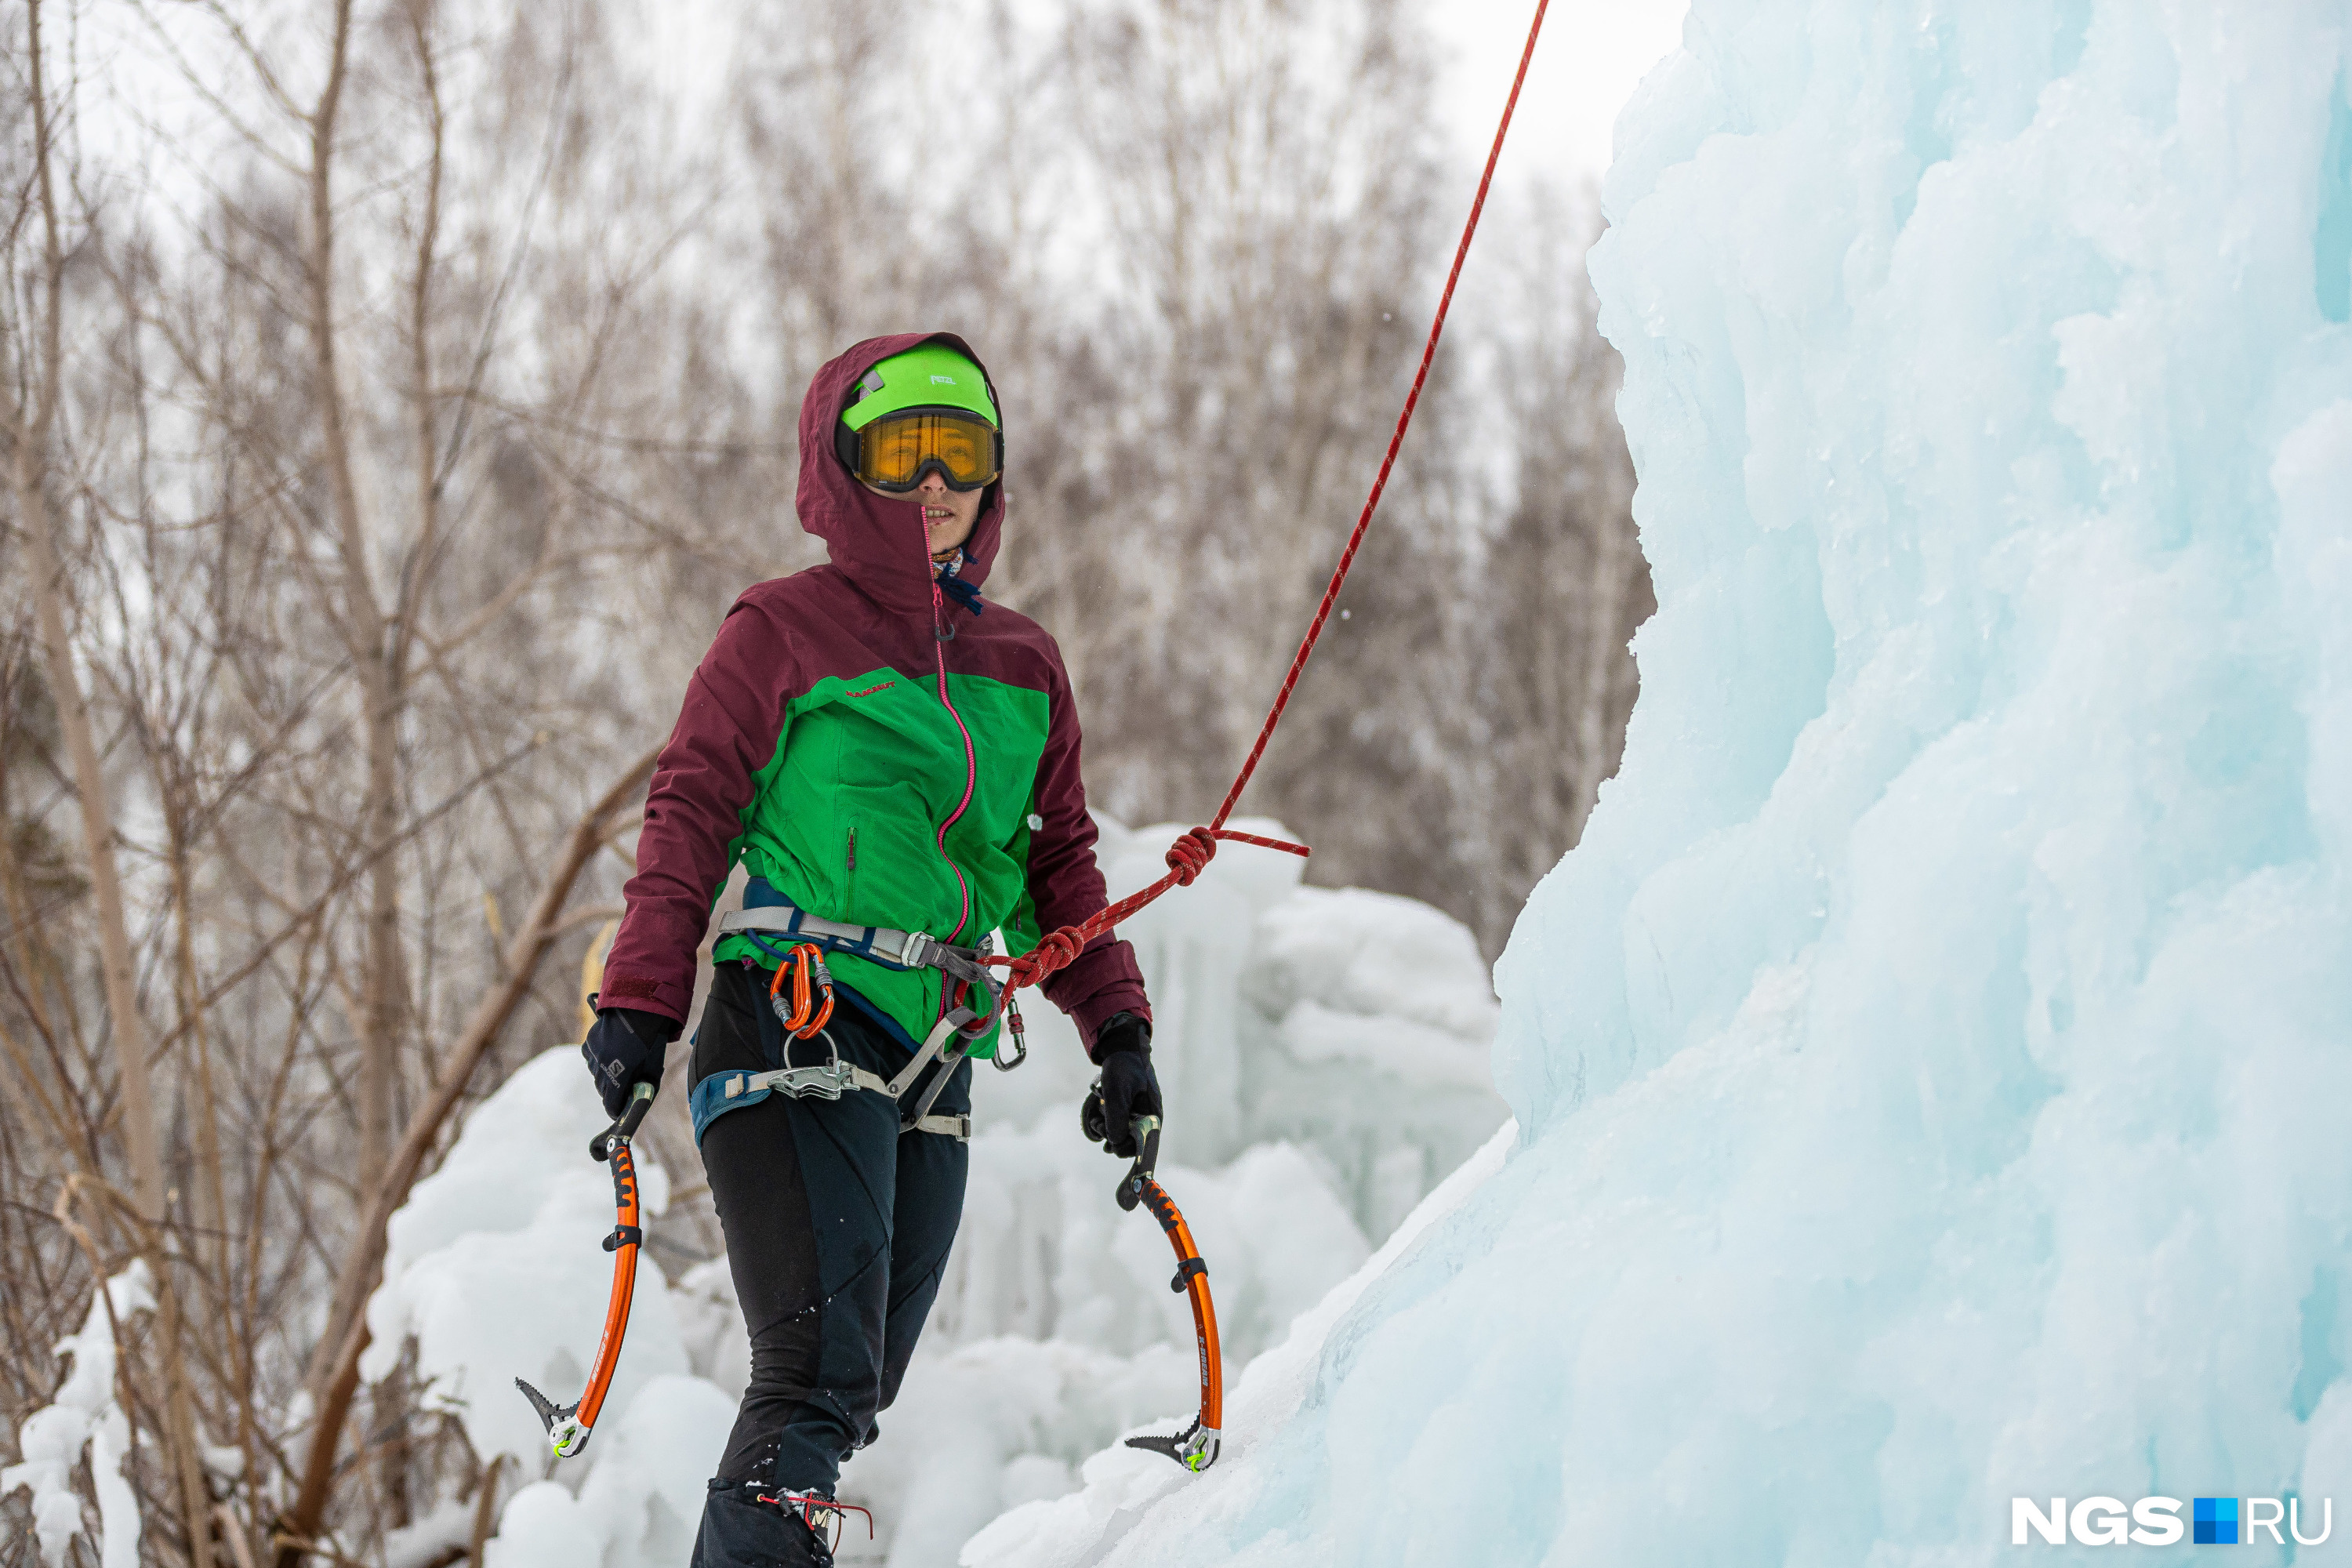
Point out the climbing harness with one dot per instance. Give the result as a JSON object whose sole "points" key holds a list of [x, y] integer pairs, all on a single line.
{"points": [[1194, 849], [568, 1425], [1196, 1447], [764, 915], [802, 996]]}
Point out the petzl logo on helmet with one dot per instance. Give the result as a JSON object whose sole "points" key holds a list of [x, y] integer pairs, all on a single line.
{"points": [[943, 381]]}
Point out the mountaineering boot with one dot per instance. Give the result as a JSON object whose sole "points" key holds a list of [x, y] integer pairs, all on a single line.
{"points": [[744, 1525]]}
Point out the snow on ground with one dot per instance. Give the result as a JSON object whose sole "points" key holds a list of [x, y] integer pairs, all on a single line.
{"points": [[1325, 1058], [1930, 1067], [1121, 1483]]}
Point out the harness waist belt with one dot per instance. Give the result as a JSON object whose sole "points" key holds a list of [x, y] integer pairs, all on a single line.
{"points": [[899, 949]]}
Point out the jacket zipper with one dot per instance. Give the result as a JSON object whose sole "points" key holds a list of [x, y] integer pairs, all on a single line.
{"points": [[850, 860], [971, 758]]}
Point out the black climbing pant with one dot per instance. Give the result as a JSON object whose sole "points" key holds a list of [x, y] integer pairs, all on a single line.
{"points": [[837, 1228]]}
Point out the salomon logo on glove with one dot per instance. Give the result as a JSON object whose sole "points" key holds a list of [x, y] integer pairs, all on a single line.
{"points": [[625, 1047]]}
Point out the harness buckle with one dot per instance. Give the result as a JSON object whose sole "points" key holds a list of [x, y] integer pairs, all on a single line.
{"points": [[828, 1079], [825, 1080]]}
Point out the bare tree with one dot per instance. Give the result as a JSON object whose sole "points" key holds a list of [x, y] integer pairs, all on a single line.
{"points": [[31, 389], [331, 537]]}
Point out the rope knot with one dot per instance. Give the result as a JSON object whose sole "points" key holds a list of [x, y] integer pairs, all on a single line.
{"points": [[1054, 950], [1191, 854]]}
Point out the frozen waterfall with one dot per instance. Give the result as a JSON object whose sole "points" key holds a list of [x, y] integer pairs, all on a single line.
{"points": [[1932, 1068]]}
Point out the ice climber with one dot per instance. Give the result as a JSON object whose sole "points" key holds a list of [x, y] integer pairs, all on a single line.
{"points": [[879, 749]]}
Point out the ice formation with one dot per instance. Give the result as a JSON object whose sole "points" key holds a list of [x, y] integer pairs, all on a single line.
{"points": [[1325, 1056], [85, 1418], [1929, 1067]]}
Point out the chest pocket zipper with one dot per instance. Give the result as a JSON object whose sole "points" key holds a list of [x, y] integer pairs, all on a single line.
{"points": [[849, 861]]}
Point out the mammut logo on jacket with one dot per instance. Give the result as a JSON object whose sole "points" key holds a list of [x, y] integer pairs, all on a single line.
{"points": [[872, 690]]}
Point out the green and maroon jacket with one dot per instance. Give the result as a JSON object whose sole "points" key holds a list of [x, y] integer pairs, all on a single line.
{"points": [[869, 769]]}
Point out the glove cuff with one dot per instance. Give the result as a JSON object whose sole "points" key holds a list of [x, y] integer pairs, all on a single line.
{"points": [[656, 1029], [1121, 1032]]}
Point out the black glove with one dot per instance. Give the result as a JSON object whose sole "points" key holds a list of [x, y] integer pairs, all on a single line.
{"points": [[1129, 1088], [625, 1047]]}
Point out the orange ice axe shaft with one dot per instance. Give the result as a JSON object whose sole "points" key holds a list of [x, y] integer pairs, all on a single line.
{"points": [[568, 1425], [1196, 1447]]}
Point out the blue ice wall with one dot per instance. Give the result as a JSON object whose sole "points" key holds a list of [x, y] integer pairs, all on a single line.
{"points": [[1934, 1066]]}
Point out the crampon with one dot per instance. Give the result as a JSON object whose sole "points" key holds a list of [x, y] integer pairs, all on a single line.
{"points": [[826, 1517]]}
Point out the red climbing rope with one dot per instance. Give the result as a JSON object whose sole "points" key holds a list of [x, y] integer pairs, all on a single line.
{"points": [[1195, 848]]}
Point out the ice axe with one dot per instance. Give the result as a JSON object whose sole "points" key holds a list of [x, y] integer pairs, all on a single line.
{"points": [[1196, 1447], [568, 1425]]}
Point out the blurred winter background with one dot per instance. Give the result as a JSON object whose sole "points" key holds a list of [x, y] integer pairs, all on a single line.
{"points": [[397, 396]]}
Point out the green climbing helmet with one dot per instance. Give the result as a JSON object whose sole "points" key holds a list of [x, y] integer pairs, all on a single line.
{"points": [[928, 408], [928, 376]]}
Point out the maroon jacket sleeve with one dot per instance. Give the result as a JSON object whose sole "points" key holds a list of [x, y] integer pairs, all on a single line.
{"points": [[1066, 886], [726, 733]]}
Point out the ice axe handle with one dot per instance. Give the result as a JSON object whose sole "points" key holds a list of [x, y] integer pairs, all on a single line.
{"points": [[1147, 1161], [1095, 1121], [641, 1100]]}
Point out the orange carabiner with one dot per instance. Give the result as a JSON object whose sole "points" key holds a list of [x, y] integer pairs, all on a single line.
{"points": [[811, 1007]]}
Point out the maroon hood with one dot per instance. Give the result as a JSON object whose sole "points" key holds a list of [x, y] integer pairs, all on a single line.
{"points": [[878, 542]]}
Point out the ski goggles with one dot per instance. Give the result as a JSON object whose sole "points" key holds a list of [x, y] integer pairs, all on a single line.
{"points": [[894, 452]]}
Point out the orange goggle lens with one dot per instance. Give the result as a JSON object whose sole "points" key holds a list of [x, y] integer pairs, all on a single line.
{"points": [[894, 451]]}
